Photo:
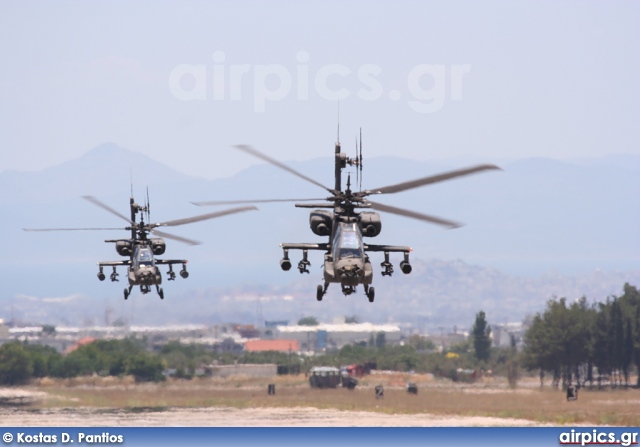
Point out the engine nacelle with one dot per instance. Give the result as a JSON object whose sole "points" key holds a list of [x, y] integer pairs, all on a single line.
{"points": [[158, 246], [321, 222], [123, 248], [370, 224]]}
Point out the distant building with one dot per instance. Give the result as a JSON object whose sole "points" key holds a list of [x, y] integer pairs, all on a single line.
{"points": [[272, 345], [335, 336], [502, 334], [4, 330], [446, 341], [64, 337], [247, 330], [229, 345], [276, 323]]}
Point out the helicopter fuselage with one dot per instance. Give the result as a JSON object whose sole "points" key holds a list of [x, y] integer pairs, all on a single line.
{"points": [[346, 260], [143, 270], [347, 263]]}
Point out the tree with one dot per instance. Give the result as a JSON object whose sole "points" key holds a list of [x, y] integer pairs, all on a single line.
{"points": [[421, 343], [308, 321], [512, 363], [43, 358], [48, 330], [571, 340], [16, 366], [351, 320], [381, 339], [481, 340], [460, 348], [146, 367], [354, 354]]}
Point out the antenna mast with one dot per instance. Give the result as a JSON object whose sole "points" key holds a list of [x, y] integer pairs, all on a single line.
{"points": [[131, 207], [338, 137], [359, 167], [340, 158], [357, 171]]}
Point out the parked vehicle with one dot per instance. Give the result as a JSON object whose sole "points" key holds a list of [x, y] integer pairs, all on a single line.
{"points": [[324, 377]]}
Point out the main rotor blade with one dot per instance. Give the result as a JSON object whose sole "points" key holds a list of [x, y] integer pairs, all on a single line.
{"points": [[173, 223], [184, 240], [315, 205], [233, 202], [414, 215], [106, 207], [260, 155], [70, 229], [431, 179]]}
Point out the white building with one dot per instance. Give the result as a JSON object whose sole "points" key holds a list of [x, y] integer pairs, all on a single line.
{"points": [[323, 336], [4, 330]]}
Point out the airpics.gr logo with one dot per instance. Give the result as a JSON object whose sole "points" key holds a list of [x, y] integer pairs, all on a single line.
{"points": [[595, 437], [426, 84]]}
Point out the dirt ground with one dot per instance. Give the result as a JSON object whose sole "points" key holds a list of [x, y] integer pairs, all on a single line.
{"points": [[231, 417], [16, 411], [243, 402]]}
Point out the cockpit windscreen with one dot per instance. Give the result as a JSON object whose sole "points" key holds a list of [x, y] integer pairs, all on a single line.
{"points": [[145, 257], [349, 242]]}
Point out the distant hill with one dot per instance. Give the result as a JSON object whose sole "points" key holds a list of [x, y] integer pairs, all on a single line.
{"points": [[105, 169], [436, 294], [535, 219]]}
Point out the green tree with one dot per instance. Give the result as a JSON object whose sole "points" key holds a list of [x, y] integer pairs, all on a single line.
{"points": [[43, 358], [481, 337], [16, 367], [398, 358], [381, 339], [185, 358], [460, 348], [48, 329], [308, 321], [570, 340], [421, 343], [602, 342], [354, 354], [512, 363], [146, 368]]}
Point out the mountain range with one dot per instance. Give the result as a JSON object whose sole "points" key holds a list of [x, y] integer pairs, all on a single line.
{"points": [[536, 220]]}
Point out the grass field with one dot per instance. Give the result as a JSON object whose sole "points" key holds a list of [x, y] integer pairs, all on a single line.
{"points": [[440, 397]]}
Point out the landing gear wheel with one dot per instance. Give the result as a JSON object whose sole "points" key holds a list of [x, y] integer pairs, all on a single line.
{"points": [[161, 293], [126, 294], [371, 294], [320, 293]]}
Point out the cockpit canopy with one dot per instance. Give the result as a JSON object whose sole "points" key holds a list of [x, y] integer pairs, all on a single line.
{"points": [[143, 257], [347, 241]]}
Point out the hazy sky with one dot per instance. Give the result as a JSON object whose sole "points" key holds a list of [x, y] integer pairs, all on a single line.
{"points": [[183, 81]]}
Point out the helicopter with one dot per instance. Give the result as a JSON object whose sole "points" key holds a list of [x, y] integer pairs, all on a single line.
{"points": [[346, 259], [142, 265]]}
